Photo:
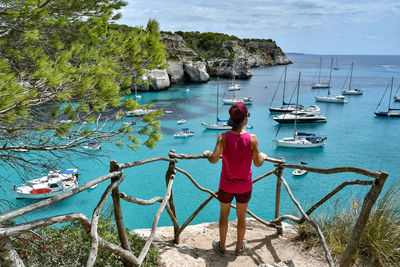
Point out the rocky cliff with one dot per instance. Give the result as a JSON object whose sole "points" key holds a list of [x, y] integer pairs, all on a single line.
{"points": [[194, 57], [218, 55]]}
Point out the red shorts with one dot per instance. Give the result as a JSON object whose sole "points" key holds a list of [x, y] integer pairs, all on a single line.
{"points": [[226, 197]]}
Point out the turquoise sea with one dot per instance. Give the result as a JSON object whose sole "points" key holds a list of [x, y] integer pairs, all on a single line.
{"points": [[356, 137]]}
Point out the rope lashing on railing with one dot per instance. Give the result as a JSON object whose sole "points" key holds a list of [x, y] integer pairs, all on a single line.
{"points": [[46, 202], [144, 161], [315, 225]]}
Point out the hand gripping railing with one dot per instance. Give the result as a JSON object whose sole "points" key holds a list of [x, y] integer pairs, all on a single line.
{"points": [[117, 176]]}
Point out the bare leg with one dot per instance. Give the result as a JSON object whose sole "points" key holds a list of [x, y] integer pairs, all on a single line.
{"points": [[241, 209], [223, 223]]}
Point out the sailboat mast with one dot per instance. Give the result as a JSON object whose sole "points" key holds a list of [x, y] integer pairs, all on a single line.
{"points": [[284, 87], [351, 75], [297, 103], [319, 72], [217, 96], [390, 97], [330, 74]]}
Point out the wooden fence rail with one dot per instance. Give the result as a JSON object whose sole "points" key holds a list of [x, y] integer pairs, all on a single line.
{"points": [[9, 257]]}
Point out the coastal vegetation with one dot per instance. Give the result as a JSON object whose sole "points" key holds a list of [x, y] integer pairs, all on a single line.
{"points": [[65, 67], [380, 243], [210, 45], [69, 245]]}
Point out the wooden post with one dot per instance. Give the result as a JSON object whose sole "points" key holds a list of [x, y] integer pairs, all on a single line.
{"points": [[118, 212], [8, 256], [359, 227], [171, 171], [278, 196]]}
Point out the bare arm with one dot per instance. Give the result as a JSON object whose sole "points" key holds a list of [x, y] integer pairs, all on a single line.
{"points": [[214, 156], [258, 158]]}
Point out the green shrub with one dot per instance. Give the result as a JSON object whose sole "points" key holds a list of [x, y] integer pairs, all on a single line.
{"points": [[380, 243], [70, 245]]}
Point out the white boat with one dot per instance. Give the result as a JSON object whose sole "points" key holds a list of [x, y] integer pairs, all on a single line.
{"points": [[219, 124], [233, 87], [184, 133], [92, 146], [322, 84], [300, 140], [233, 100], [390, 112], [53, 184], [181, 121], [299, 117], [65, 121], [285, 107], [331, 99], [129, 123], [397, 98], [351, 91], [312, 109], [299, 172], [168, 111], [336, 67], [139, 112]]}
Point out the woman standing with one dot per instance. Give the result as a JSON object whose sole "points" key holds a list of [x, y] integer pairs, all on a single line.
{"points": [[238, 149]]}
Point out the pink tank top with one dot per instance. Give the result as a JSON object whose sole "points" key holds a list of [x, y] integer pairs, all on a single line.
{"points": [[236, 164]]}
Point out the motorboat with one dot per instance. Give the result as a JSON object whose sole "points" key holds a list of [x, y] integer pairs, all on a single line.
{"points": [[139, 112], [181, 121], [352, 92], [233, 100], [184, 133], [299, 172], [92, 145], [331, 99], [50, 185], [300, 117]]}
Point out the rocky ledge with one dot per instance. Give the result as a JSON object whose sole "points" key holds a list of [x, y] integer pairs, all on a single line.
{"points": [[265, 247], [214, 56]]}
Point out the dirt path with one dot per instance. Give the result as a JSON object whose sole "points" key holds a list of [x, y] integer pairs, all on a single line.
{"points": [[265, 247]]}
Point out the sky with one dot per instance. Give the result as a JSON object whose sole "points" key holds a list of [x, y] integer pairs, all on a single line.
{"points": [[325, 27]]}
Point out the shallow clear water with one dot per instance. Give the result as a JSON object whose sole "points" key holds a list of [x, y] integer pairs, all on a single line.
{"points": [[355, 138]]}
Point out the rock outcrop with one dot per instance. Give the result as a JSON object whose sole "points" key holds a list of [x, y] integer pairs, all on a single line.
{"points": [[230, 56]]}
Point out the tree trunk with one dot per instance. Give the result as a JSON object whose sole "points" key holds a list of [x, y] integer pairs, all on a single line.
{"points": [[8, 255]]}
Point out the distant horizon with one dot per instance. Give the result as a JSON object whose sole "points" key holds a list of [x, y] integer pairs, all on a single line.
{"points": [[314, 54]]}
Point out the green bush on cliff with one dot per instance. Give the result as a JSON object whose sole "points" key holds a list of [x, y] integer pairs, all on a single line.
{"points": [[70, 245], [380, 243]]}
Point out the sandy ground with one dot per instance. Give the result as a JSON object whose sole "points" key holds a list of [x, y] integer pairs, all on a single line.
{"points": [[265, 247]]}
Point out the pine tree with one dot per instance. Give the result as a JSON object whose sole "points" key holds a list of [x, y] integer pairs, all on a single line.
{"points": [[69, 61]]}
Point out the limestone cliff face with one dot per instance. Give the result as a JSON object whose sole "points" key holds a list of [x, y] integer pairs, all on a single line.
{"points": [[236, 57]]}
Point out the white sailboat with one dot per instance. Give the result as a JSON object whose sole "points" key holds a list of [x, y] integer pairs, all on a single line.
{"points": [[233, 87], [300, 140], [336, 67], [320, 84], [331, 99], [390, 112], [352, 91], [286, 107], [219, 124]]}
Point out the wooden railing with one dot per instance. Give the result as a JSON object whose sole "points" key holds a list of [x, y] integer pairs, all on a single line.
{"points": [[9, 257]]}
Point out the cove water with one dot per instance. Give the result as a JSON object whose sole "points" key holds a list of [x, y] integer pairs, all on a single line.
{"points": [[356, 137]]}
